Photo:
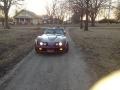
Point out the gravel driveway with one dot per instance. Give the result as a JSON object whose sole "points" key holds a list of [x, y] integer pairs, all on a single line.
{"points": [[50, 72]]}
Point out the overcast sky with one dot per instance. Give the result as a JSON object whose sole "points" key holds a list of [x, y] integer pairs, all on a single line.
{"points": [[37, 6]]}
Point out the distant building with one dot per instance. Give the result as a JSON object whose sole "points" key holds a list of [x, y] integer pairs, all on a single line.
{"points": [[46, 19], [50, 20], [26, 17]]}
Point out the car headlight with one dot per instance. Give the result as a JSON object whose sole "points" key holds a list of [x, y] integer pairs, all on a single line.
{"points": [[57, 44], [41, 43], [44, 43], [60, 43]]}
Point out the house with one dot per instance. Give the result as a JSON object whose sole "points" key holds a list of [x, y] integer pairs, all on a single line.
{"points": [[26, 17]]}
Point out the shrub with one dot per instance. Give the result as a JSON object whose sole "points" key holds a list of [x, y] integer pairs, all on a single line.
{"points": [[107, 21]]}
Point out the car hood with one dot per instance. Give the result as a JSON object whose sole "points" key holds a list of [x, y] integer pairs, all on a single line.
{"points": [[51, 38]]}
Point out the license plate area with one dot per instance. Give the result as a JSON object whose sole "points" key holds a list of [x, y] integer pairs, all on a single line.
{"points": [[50, 51]]}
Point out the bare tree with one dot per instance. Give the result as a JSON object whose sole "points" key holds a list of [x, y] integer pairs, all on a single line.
{"points": [[78, 7], [86, 13], [48, 10], [95, 6], [82, 13], [61, 10], [54, 7], [87, 8], [81, 7], [57, 10], [117, 13], [5, 5], [51, 10]]}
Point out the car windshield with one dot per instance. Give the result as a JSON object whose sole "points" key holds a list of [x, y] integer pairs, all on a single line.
{"points": [[54, 31]]}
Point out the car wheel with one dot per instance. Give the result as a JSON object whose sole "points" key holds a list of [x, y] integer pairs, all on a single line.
{"points": [[67, 48], [36, 50]]}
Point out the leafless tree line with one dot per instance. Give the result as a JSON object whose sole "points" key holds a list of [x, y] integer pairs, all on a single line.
{"points": [[88, 8], [117, 12], [83, 8], [58, 9]]}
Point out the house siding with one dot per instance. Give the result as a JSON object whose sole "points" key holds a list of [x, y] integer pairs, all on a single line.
{"points": [[26, 17]]}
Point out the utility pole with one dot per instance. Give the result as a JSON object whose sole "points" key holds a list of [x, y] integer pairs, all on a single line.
{"points": [[87, 12]]}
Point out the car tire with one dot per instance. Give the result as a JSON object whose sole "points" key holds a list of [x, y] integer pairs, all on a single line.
{"points": [[36, 50], [67, 48]]}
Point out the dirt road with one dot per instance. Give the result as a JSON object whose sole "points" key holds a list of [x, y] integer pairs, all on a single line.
{"points": [[50, 72]]}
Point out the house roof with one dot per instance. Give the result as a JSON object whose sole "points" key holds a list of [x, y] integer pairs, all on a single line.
{"points": [[25, 14]]}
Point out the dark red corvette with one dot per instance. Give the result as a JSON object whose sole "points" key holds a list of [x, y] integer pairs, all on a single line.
{"points": [[52, 41]]}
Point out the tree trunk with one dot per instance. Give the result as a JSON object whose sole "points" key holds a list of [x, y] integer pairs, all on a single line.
{"points": [[92, 21], [3, 22], [81, 23], [6, 25], [86, 21]]}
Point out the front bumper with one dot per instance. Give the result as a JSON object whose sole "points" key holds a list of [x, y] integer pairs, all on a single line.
{"points": [[49, 49]]}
